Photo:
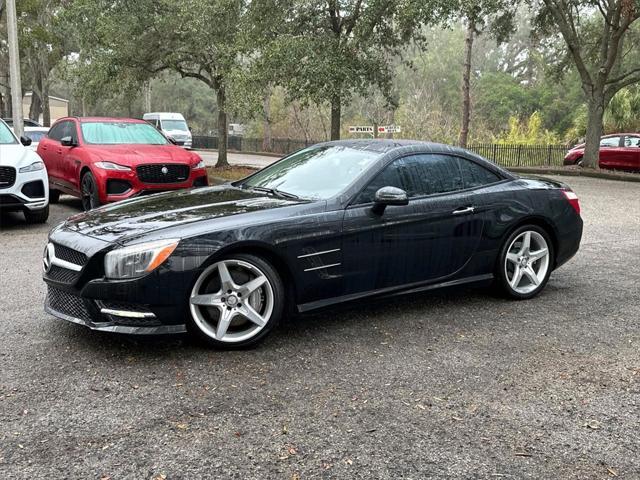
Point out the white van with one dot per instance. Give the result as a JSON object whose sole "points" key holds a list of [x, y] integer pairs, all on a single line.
{"points": [[172, 125]]}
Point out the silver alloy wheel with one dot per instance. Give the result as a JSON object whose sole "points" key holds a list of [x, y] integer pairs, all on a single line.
{"points": [[233, 312], [527, 262]]}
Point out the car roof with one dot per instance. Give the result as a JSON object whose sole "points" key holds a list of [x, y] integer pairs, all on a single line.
{"points": [[385, 145], [36, 129], [110, 119]]}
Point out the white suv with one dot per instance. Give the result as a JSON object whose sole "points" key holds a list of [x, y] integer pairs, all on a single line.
{"points": [[24, 185]]}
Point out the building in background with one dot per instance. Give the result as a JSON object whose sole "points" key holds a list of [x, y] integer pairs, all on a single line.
{"points": [[59, 107]]}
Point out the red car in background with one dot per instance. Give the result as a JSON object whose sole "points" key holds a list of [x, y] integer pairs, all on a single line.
{"points": [[104, 160], [619, 151]]}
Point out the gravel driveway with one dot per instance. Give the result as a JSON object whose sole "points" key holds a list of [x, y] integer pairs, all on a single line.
{"points": [[445, 385]]}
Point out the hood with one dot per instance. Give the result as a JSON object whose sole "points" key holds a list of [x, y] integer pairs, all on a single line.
{"points": [[134, 155], [132, 218], [16, 155]]}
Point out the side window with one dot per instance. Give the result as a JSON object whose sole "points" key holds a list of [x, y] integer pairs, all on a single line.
{"points": [[632, 141], [610, 142], [418, 175], [475, 175], [57, 131], [70, 131]]}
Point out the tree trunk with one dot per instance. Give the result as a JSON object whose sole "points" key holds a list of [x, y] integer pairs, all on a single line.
{"points": [[266, 121], [336, 110], [46, 105], [222, 129], [35, 109], [594, 132], [466, 84]]}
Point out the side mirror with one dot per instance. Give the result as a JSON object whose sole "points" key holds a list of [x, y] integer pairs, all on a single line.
{"points": [[26, 141], [389, 196], [67, 142]]}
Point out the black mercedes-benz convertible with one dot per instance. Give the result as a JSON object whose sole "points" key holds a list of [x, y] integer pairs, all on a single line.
{"points": [[335, 222]]}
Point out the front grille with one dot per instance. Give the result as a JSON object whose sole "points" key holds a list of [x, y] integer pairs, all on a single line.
{"points": [[67, 303], [62, 275], [7, 177], [70, 255], [163, 173]]}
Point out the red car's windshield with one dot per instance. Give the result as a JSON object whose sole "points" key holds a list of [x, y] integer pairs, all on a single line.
{"points": [[121, 133]]}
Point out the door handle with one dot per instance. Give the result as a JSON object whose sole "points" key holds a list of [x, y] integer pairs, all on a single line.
{"points": [[60, 151], [463, 210]]}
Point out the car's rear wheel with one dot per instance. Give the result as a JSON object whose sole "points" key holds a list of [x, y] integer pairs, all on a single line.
{"points": [[89, 191], [236, 302], [54, 195], [525, 262]]}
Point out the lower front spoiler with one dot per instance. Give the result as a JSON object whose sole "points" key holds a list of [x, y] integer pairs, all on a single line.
{"points": [[115, 328]]}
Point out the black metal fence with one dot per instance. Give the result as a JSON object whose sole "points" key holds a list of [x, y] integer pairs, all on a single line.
{"points": [[502, 154]]}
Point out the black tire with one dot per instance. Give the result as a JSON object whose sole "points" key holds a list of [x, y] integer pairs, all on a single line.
{"points": [[54, 195], [502, 281], [37, 216], [89, 192], [278, 310]]}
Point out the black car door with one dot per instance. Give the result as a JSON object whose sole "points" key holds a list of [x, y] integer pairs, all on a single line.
{"points": [[431, 238]]}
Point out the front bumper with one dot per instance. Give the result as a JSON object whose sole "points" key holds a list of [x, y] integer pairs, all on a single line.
{"points": [[78, 292], [110, 322], [30, 191], [197, 178]]}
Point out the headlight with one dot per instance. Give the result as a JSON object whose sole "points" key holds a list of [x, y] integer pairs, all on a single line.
{"points": [[200, 164], [34, 167], [111, 166], [136, 260]]}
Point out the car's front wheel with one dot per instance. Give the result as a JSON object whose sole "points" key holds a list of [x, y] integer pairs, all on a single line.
{"points": [[236, 302], [525, 262], [89, 191], [54, 195], [37, 216]]}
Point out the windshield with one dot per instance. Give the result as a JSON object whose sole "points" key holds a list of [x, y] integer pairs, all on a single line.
{"points": [[121, 133], [316, 172], [35, 136], [180, 125], [6, 137]]}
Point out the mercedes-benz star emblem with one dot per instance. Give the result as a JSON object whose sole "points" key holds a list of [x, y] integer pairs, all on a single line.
{"points": [[164, 170], [46, 260]]}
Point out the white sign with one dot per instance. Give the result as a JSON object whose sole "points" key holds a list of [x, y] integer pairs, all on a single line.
{"points": [[361, 129], [389, 129]]}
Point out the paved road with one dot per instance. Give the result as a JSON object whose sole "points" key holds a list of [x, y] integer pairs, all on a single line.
{"points": [[258, 161], [447, 385]]}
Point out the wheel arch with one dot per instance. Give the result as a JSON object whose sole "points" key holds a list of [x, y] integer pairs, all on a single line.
{"points": [[264, 251], [542, 223]]}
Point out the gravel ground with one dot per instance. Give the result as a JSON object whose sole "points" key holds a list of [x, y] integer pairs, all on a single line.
{"points": [[447, 385]]}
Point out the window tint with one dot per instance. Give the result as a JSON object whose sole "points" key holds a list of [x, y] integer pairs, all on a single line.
{"points": [[610, 142], [475, 175], [632, 142], [57, 131], [418, 175]]}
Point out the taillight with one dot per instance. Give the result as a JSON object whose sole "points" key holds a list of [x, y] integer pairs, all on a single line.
{"points": [[571, 196]]}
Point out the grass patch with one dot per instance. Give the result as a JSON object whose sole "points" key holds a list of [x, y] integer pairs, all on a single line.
{"points": [[228, 173]]}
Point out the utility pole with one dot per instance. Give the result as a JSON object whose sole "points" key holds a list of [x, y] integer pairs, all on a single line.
{"points": [[14, 68]]}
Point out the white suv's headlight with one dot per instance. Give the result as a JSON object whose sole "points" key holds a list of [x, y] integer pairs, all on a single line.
{"points": [[137, 260], [111, 166], [34, 167], [200, 164]]}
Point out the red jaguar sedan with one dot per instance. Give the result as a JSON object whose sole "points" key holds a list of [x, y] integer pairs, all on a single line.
{"points": [[620, 151], [104, 160]]}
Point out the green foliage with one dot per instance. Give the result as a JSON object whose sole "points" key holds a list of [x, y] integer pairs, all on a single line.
{"points": [[529, 132]]}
